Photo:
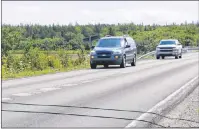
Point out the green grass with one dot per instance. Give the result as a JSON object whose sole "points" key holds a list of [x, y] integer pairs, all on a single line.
{"points": [[43, 72], [71, 53], [18, 52], [148, 57], [18, 55], [28, 73]]}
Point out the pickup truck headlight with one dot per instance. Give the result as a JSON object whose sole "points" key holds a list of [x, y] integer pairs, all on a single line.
{"points": [[157, 48], [175, 49], [117, 52], [92, 53]]}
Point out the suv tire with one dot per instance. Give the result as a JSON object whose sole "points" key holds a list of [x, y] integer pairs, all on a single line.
{"points": [[93, 66], [105, 66], [134, 61], [157, 57], [162, 57], [123, 64]]}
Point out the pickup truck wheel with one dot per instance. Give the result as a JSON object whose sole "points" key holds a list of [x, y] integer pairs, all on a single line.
{"points": [[123, 64], [162, 57], [176, 57], [105, 66], [134, 61], [157, 57], [93, 66], [180, 55]]}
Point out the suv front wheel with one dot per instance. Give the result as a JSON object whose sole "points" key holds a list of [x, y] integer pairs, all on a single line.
{"points": [[134, 61], [93, 66], [105, 66], [123, 64]]}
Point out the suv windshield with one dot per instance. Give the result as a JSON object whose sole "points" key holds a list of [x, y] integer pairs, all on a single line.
{"points": [[167, 43], [112, 42]]}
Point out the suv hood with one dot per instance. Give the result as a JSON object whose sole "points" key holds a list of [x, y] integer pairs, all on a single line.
{"points": [[106, 49], [164, 46]]}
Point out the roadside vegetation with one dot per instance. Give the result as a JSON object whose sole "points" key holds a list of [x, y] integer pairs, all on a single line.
{"points": [[29, 50]]}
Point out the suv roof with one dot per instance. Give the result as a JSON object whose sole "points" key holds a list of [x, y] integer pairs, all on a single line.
{"points": [[169, 40], [108, 36]]}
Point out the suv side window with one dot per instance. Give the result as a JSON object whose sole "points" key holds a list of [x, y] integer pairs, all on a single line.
{"points": [[126, 42], [129, 41], [133, 43]]}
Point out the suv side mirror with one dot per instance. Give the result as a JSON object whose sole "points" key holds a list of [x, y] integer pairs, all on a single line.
{"points": [[127, 46]]}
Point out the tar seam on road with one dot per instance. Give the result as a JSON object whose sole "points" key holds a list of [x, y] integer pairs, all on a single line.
{"points": [[120, 118], [108, 109]]}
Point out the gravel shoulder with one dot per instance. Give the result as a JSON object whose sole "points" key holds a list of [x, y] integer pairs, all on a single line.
{"points": [[187, 109]]}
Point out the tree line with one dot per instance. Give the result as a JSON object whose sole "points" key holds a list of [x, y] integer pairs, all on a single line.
{"points": [[70, 37]]}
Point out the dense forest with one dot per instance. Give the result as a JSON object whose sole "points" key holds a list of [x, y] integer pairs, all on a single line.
{"points": [[34, 42], [70, 37]]}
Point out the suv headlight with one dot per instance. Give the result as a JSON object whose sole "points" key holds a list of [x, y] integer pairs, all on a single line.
{"points": [[117, 52], [92, 53]]}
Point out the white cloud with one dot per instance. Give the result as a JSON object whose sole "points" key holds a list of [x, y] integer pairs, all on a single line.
{"points": [[84, 12]]}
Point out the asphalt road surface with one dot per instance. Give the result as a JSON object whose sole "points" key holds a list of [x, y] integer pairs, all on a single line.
{"points": [[132, 88]]}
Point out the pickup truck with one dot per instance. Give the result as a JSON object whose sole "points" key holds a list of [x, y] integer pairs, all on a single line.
{"points": [[169, 47]]}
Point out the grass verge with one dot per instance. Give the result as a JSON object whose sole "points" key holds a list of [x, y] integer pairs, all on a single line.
{"points": [[27, 73], [42, 72]]}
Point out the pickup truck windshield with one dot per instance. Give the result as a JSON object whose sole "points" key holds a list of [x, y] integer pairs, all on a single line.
{"points": [[116, 42], [167, 43]]}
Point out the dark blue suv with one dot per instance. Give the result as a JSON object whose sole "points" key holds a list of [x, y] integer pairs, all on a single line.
{"points": [[114, 50]]}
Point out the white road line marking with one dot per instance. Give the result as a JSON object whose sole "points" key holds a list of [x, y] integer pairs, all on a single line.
{"points": [[157, 107], [86, 81], [6, 99], [67, 85], [125, 72], [22, 94], [48, 89], [36, 92]]}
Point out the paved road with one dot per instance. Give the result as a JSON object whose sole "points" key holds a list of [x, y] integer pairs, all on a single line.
{"points": [[132, 88]]}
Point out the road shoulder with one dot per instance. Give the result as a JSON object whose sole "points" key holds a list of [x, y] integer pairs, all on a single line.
{"points": [[187, 109]]}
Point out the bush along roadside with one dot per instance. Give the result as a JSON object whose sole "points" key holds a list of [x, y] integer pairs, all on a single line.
{"points": [[34, 62]]}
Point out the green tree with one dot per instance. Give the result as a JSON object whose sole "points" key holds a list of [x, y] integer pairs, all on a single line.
{"points": [[11, 37], [111, 31]]}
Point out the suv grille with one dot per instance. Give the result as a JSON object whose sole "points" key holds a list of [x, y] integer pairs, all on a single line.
{"points": [[103, 54]]}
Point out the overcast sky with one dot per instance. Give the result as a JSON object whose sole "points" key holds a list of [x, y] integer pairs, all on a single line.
{"points": [[111, 12]]}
